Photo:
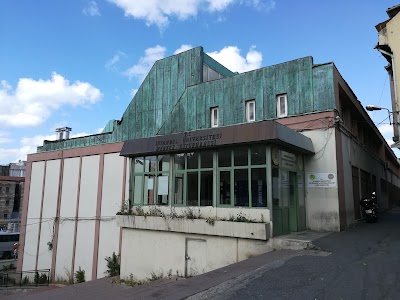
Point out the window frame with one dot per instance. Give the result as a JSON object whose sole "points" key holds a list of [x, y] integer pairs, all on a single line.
{"points": [[248, 112], [214, 110], [279, 114]]}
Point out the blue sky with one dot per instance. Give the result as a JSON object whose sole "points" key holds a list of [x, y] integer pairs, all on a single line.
{"points": [[77, 63]]}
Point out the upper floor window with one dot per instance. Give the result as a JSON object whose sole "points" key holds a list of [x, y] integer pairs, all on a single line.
{"points": [[7, 189], [214, 116], [281, 105], [250, 111]]}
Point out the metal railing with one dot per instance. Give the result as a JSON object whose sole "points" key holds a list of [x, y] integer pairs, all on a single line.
{"points": [[25, 279]]}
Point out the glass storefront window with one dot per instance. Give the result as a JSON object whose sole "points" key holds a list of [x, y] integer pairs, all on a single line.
{"points": [[206, 188], [180, 161], [240, 155], [138, 164], [258, 155], [241, 184], [178, 192], [137, 189], [206, 159], [192, 160], [258, 187], [163, 162], [224, 158], [150, 163], [225, 187], [162, 189], [192, 189], [149, 185]]}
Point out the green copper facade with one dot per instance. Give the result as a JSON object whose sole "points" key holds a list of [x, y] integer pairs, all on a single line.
{"points": [[174, 97]]}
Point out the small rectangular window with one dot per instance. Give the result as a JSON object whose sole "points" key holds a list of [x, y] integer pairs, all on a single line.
{"points": [[7, 189], [281, 105], [214, 117], [5, 216], [7, 202], [250, 111]]}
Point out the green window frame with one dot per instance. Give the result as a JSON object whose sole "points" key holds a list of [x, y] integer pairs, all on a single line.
{"points": [[235, 168], [147, 173]]}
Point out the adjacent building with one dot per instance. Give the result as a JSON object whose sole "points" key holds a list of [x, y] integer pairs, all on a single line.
{"points": [[11, 195], [389, 46], [213, 163]]}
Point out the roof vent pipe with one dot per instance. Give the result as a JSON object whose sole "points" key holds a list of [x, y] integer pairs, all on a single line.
{"points": [[59, 134], [66, 132]]}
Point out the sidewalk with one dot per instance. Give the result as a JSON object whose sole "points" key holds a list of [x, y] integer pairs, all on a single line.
{"points": [[170, 288]]}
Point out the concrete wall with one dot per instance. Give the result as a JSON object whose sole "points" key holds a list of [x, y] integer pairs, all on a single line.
{"points": [[71, 203], [110, 205], [322, 205], [50, 197], [69, 198], [164, 252], [33, 216], [86, 214]]}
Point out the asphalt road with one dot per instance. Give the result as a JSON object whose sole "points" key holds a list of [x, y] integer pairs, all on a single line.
{"points": [[363, 263]]}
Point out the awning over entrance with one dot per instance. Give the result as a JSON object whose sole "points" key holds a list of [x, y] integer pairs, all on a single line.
{"points": [[264, 131]]}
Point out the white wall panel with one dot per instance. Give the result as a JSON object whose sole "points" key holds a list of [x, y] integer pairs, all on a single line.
{"points": [[87, 210], [49, 213], [66, 228], [32, 222], [110, 205], [322, 204]]}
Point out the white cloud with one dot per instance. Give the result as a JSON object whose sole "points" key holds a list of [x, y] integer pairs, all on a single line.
{"points": [[159, 12], [4, 137], [183, 48], [114, 60], [33, 101], [92, 9], [262, 5], [386, 130], [145, 63], [230, 57]]}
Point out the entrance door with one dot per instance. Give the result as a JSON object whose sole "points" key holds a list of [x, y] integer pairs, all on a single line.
{"points": [[196, 257], [293, 202]]}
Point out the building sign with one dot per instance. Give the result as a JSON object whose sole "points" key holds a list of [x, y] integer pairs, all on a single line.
{"points": [[321, 180], [265, 131], [189, 140], [288, 161]]}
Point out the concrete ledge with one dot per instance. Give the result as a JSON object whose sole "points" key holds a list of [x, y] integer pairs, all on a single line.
{"points": [[255, 231]]}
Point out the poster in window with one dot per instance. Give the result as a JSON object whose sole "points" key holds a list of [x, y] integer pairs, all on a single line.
{"points": [[163, 185]]}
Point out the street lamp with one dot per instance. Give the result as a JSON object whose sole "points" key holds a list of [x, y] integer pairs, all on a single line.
{"points": [[372, 107], [395, 123]]}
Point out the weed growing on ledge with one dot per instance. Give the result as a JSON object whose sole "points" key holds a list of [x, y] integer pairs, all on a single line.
{"points": [[210, 221]]}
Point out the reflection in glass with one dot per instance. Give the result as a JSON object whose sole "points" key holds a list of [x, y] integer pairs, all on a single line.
{"points": [[148, 190], [258, 156], [206, 159], [162, 189], [206, 188], [192, 160], [240, 155], [241, 188], [137, 189], [180, 161], [225, 187], [178, 192], [224, 157], [150, 164], [138, 164], [192, 189], [259, 187], [163, 162], [275, 187]]}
